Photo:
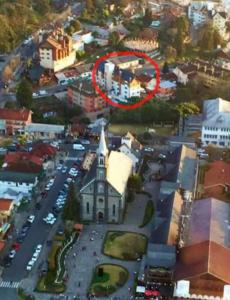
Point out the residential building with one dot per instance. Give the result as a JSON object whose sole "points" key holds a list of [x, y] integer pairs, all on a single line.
{"points": [[14, 120], [185, 73], [217, 180], [103, 194], [219, 22], [56, 52], [83, 94], [206, 273], [199, 12], [17, 182], [132, 154], [216, 122], [41, 131], [223, 60]]}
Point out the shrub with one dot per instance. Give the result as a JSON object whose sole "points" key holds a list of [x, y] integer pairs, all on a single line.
{"points": [[122, 278], [149, 211]]}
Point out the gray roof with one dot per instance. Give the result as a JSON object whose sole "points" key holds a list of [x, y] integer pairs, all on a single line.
{"points": [[183, 173], [161, 255], [210, 220], [17, 177], [50, 128], [216, 113]]}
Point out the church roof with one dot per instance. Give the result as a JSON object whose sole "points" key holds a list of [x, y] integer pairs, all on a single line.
{"points": [[102, 148], [119, 170]]}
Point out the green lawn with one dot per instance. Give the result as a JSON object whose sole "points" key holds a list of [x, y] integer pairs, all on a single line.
{"points": [[114, 276], [138, 129], [54, 288], [124, 245]]}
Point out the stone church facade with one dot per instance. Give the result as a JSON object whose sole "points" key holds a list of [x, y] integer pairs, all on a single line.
{"points": [[104, 191]]}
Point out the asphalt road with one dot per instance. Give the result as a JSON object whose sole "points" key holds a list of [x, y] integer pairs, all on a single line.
{"points": [[37, 234], [8, 294]]}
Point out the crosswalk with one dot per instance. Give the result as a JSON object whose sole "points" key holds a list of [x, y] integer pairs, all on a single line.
{"points": [[9, 284]]}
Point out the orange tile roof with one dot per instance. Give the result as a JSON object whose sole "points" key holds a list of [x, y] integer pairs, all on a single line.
{"points": [[15, 114], [5, 204], [217, 174]]}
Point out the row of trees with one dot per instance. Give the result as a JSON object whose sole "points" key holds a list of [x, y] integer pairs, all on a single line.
{"points": [[16, 26]]}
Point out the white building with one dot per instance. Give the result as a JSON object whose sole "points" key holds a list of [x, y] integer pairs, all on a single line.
{"points": [[17, 183], [223, 60], [216, 123], [219, 22], [57, 52], [200, 11], [44, 131]]}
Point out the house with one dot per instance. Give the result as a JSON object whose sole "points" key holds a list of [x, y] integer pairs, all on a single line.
{"points": [[6, 210], [132, 154], [14, 120], [206, 273], [24, 162], [185, 73], [103, 194], [82, 93], [56, 52], [200, 12], [44, 131], [223, 60], [219, 22], [18, 182], [81, 38], [217, 180], [216, 122]]}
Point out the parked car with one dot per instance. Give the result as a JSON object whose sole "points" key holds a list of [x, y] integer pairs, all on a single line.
{"points": [[31, 219], [16, 246], [12, 254]]}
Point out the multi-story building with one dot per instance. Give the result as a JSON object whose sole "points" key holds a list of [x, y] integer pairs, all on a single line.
{"points": [[120, 83], [14, 120], [223, 60], [103, 194], [57, 51], [219, 22], [216, 123], [83, 94]]}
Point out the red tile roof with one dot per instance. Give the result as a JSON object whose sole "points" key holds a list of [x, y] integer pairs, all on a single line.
{"points": [[13, 157], [144, 78], [223, 55], [42, 150], [217, 174], [15, 114], [203, 258], [5, 204]]}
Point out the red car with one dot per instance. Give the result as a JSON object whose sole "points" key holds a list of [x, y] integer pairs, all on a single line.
{"points": [[16, 246]]}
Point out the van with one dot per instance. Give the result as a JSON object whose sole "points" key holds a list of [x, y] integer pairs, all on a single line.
{"points": [[78, 147]]}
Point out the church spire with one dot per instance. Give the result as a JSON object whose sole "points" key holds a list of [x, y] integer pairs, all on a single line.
{"points": [[102, 148]]}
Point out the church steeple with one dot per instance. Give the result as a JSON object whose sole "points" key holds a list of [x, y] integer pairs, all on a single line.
{"points": [[102, 148], [102, 155]]}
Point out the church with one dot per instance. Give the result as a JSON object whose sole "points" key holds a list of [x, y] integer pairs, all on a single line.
{"points": [[103, 194]]}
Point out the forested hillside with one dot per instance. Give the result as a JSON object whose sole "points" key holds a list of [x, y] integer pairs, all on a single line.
{"points": [[18, 18]]}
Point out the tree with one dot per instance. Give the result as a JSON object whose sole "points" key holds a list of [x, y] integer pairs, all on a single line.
{"points": [[114, 39], [71, 210], [134, 182], [42, 6], [170, 53], [24, 94], [185, 109], [90, 6], [165, 68]]}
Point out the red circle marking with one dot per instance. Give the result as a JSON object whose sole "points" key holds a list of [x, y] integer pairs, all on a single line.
{"points": [[147, 98]]}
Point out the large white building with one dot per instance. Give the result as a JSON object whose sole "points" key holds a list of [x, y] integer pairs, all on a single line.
{"points": [[56, 52], [216, 123]]}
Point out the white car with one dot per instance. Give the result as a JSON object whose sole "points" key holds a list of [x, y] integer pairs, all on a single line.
{"points": [[38, 248], [34, 95], [64, 170], [31, 219], [59, 167], [85, 142], [69, 180], [12, 253], [47, 188], [30, 265]]}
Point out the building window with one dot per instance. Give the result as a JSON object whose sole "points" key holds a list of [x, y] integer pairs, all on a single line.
{"points": [[87, 207], [100, 200], [114, 209]]}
